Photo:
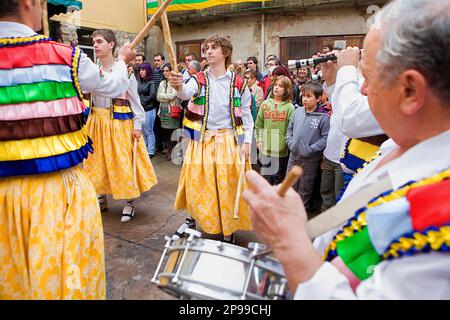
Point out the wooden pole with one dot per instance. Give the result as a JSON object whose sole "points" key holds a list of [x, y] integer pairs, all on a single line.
{"points": [[45, 26], [168, 37], [144, 32]]}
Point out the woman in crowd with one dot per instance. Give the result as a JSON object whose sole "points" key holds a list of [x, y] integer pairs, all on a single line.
{"points": [[169, 108], [147, 95]]}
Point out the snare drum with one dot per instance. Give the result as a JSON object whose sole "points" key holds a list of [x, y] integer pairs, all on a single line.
{"points": [[198, 268]]}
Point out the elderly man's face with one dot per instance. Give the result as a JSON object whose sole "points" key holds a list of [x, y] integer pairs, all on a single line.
{"points": [[383, 100]]}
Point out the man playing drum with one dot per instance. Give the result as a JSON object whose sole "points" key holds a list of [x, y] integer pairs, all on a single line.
{"points": [[396, 247]]}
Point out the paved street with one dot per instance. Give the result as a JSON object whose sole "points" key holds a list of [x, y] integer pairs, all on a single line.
{"points": [[133, 249]]}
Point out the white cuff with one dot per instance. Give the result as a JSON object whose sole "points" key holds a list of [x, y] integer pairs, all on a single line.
{"points": [[327, 283]]}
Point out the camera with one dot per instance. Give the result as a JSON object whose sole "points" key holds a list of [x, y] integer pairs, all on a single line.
{"points": [[296, 64]]}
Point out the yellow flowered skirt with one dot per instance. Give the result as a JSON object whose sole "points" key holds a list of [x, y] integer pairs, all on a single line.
{"points": [[110, 168], [208, 184], [51, 237]]}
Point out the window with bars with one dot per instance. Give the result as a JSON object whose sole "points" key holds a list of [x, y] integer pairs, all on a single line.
{"points": [[305, 47]]}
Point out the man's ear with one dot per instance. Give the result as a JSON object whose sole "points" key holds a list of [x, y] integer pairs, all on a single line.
{"points": [[413, 91]]}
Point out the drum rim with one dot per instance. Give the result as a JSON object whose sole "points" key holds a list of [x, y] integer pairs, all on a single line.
{"points": [[175, 287]]}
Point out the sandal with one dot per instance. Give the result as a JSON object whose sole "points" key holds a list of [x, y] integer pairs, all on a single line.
{"points": [[180, 233], [127, 213], [228, 239], [102, 202]]}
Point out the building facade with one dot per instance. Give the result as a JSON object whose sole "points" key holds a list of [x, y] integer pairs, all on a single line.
{"points": [[125, 18], [290, 29]]}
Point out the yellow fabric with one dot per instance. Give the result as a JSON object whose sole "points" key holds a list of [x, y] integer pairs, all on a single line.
{"points": [[197, 126], [42, 147], [362, 150], [110, 168], [118, 109], [51, 237], [208, 184]]}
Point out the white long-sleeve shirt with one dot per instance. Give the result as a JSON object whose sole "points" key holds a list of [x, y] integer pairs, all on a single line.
{"points": [[423, 276], [219, 103], [113, 84], [350, 107], [133, 95]]}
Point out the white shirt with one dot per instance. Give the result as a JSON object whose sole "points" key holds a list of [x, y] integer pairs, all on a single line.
{"points": [[219, 103], [424, 276], [350, 106], [186, 75], [335, 142], [133, 96], [113, 85]]}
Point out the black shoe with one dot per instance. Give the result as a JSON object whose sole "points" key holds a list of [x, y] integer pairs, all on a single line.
{"points": [[180, 233], [228, 239]]}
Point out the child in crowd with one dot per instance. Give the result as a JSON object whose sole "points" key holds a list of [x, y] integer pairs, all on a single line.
{"points": [[271, 126], [307, 138]]}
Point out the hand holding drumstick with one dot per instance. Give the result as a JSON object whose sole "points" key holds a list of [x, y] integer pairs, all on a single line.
{"points": [[279, 219]]}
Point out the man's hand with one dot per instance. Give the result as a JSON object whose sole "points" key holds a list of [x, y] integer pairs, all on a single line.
{"points": [[329, 69], [348, 57], [176, 80], [281, 223], [127, 54], [137, 134]]}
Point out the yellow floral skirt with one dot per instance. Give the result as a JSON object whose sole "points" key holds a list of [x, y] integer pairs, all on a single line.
{"points": [[110, 168], [209, 181], [51, 238]]}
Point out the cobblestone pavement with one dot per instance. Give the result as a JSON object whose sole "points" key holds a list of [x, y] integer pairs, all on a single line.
{"points": [[133, 249]]}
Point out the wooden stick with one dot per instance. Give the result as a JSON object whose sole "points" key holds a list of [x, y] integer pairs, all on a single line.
{"points": [[134, 163], [240, 183], [168, 37], [45, 26], [292, 177], [144, 32]]}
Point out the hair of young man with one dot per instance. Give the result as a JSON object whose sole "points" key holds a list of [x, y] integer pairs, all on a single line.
{"points": [[313, 87], [108, 35], [140, 54], [255, 61], [285, 83], [9, 8], [224, 43], [192, 55], [148, 68], [163, 58]]}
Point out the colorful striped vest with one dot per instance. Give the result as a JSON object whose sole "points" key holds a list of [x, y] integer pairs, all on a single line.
{"points": [[410, 220], [42, 125], [196, 117], [120, 108]]}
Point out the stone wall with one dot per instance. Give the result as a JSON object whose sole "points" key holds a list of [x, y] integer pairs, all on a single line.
{"points": [[68, 34]]}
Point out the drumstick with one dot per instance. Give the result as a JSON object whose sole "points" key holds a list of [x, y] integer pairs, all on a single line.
{"points": [[240, 183], [144, 32], [294, 174], [134, 163]]}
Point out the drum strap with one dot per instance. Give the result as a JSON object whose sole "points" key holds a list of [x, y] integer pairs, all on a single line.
{"points": [[345, 210]]}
